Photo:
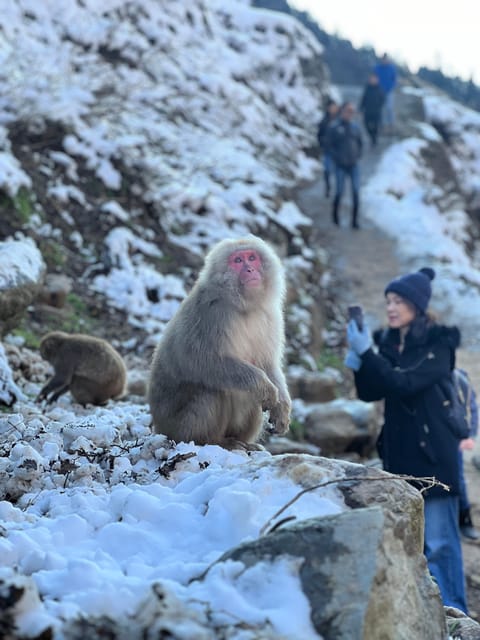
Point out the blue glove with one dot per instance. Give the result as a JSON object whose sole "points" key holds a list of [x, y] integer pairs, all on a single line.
{"points": [[358, 341], [352, 360]]}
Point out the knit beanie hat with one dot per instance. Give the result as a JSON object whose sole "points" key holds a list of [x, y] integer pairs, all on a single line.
{"points": [[414, 287]]}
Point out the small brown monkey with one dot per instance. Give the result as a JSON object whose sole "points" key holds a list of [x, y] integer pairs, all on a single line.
{"points": [[89, 367], [219, 362]]}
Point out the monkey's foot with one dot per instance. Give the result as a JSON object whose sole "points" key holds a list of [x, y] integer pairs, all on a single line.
{"points": [[233, 443]]}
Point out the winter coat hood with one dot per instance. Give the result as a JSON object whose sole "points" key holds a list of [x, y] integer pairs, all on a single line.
{"points": [[389, 339]]}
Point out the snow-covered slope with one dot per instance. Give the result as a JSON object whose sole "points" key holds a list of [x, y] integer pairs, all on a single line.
{"points": [[425, 195], [181, 121]]}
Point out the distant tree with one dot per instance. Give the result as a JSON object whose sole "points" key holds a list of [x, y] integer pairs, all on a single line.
{"points": [[464, 91], [351, 65]]}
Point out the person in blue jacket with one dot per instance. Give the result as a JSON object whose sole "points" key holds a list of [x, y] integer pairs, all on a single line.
{"points": [[387, 78], [414, 355], [469, 399]]}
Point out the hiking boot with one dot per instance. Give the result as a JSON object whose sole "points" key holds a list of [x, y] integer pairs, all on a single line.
{"points": [[466, 525], [355, 211]]}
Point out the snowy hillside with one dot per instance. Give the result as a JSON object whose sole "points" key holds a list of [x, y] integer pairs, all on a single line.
{"points": [[425, 194], [134, 135], [156, 127]]}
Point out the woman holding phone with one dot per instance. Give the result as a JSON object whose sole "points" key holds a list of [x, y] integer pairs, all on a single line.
{"points": [[414, 354]]}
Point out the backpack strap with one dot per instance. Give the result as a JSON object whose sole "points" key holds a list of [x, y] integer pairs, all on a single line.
{"points": [[464, 391]]}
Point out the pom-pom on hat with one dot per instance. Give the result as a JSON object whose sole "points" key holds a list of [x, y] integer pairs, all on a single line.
{"points": [[414, 287]]}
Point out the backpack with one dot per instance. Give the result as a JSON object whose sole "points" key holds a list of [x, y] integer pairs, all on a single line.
{"points": [[456, 393]]}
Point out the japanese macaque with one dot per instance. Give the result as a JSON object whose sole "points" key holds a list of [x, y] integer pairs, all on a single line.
{"points": [[90, 368], [219, 362]]}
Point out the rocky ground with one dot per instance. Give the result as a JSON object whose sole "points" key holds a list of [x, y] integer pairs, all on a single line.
{"points": [[363, 262]]}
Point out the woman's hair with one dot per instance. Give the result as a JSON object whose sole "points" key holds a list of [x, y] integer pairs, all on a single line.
{"points": [[422, 322]]}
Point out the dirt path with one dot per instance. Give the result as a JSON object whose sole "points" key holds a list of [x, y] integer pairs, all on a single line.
{"points": [[363, 262]]}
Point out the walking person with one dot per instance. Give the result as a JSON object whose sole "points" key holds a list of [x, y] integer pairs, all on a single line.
{"points": [[344, 141], [467, 393], [371, 105], [387, 77], [331, 114], [415, 355]]}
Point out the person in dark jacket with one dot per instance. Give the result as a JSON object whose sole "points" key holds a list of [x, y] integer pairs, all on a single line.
{"points": [[371, 105], [330, 116], [344, 141], [415, 354]]}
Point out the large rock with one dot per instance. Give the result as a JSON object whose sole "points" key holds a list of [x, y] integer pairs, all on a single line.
{"points": [[22, 270], [359, 574], [363, 570], [460, 626], [313, 386], [341, 426]]}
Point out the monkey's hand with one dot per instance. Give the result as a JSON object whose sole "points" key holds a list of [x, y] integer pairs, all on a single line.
{"points": [[280, 417], [41, 395], [269, 395]]}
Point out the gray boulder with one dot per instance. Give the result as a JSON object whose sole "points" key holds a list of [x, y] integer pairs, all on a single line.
{"points": [[341, 426], [362, 570], [22, 270], [313, 386], [460, 626]]}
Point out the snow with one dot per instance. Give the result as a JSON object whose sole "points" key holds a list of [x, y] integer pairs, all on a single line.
{"points": [[206, 105], [9, 391], [208, 109], [20, 263], [104, 510], [429, 227]]}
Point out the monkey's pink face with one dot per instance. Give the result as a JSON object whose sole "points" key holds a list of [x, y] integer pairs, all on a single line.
{"points": [[248, 265]]}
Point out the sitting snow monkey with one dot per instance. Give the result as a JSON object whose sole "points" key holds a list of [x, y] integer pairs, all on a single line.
{"points": [[219, 362], [90, 368]]}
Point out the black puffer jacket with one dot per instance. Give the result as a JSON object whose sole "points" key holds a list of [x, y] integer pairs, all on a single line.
{"points": [[372, 101], [415, 438], [325, 123]]}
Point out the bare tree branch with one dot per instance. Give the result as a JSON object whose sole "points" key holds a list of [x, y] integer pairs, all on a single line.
{"points": [[428, 482]]}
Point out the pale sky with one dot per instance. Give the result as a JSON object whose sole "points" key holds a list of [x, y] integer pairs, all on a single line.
{"points": [[415, 32]]}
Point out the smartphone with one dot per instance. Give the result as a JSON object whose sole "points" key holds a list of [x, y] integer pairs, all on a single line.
{"points": [[355, 312]]}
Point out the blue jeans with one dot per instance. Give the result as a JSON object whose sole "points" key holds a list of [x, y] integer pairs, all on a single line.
{"points": [[327, 163], [443, 550], [388, 113], [463, 503], [341, 173]]}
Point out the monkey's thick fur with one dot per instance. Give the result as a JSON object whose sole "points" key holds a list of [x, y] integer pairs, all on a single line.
{"points": [[219, 362], [89, 367]]}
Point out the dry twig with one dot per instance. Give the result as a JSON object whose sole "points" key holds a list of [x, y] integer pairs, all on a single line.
{"points": [[428, 482]]}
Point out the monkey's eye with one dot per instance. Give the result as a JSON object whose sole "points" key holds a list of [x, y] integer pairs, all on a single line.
{"points": [[237, 259], [252, 257]]}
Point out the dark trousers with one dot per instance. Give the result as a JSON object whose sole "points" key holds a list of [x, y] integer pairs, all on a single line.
{"points": [[372, 124], [341, 173]]}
